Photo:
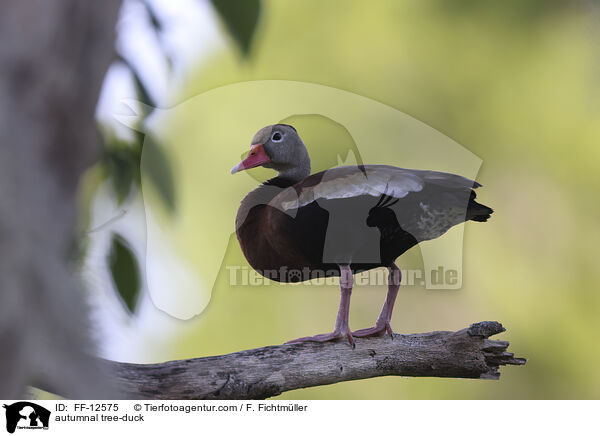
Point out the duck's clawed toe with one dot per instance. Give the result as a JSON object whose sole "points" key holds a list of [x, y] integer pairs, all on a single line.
{"points": [[326, 337], [375, 331], [379, 329]]}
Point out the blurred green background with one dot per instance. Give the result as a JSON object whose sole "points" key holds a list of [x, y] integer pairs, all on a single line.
{"points": [[514, 82]]}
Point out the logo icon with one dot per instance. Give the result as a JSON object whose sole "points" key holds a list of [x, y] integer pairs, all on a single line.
{"points": [[26, 415]]}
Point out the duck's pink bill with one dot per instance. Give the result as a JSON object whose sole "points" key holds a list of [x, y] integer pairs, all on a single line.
{"points": [[257, 156]]}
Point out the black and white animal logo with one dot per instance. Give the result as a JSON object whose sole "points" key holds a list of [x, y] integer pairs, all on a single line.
{"points": [[26, 415]]}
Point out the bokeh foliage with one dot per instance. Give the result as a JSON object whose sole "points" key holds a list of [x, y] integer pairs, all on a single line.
{"points": [[121, 160]]}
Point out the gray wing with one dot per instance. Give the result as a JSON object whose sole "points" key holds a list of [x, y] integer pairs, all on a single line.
{"points": [[372, 180]]}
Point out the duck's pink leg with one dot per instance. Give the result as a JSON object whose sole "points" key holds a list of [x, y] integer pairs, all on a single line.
{"points": [[383, 321], [341, 329]]}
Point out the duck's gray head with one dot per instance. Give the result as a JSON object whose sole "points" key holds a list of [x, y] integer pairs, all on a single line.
{"points": [[278, 147]]}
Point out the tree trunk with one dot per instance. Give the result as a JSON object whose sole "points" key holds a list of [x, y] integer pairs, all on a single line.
{"points": [[53, 58]]}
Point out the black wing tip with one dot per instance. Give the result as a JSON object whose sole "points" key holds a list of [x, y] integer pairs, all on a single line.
{"points": [[481, 213], [481, 218]]}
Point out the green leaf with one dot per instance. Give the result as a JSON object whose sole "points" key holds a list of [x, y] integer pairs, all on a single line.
{"points": [[142, 92], [121, 165], [157, 167], [125, 271], [240, 18]]}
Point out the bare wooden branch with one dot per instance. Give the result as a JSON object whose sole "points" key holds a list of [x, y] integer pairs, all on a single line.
{"points": [[266, 372]]}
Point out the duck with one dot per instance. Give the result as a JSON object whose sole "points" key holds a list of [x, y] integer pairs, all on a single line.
{"points": [[299, 226]]}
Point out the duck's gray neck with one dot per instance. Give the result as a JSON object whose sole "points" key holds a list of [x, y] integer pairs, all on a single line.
{"points": [[295, 174], [298, 171]]}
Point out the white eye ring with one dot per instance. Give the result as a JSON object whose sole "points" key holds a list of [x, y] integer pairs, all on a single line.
{"points": [[278, 139]]}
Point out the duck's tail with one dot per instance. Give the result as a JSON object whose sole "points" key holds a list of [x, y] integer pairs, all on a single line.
{"points": [[477, 211]]}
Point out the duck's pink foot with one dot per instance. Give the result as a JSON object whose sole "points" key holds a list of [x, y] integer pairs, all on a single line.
{"points": [[326, 337], [374, 331]]}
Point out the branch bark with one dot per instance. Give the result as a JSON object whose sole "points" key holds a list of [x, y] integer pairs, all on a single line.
{"points": [[266, 372]]}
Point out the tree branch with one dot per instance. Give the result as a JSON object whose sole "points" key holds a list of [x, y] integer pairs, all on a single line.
{"points": [[265, 372]]}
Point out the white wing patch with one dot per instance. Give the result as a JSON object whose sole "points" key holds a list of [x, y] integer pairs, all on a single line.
{"points": [[351, 181]]}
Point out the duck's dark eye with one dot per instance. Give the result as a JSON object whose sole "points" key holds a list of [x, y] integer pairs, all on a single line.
{"points": [[277, 137]]}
